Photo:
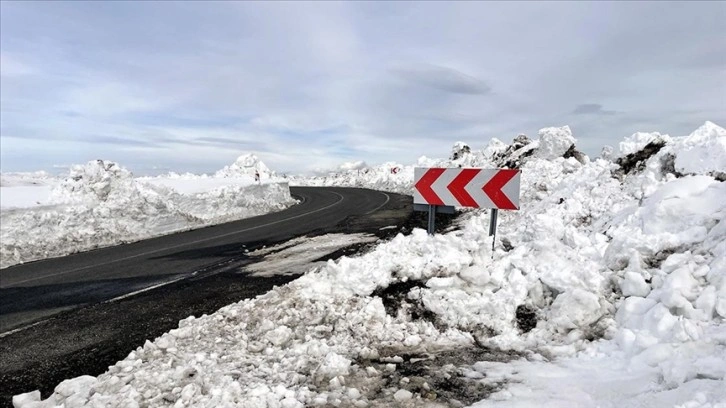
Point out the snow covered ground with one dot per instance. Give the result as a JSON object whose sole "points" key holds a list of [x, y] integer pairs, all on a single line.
{"points": [[24, 190], [391, 176], [607, 288], [101, 204]]}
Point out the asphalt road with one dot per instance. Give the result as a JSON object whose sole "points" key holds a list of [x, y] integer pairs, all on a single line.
{"points": [[34, 291]]}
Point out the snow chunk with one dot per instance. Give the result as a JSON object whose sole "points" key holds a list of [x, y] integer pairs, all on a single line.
{"points": [[554, 142], [279, 336], [703, 151], [402, 395], [27, 400], [95, 181], [637, 141], [459, 150], [576, 309], [334, 365], [634, 285]]}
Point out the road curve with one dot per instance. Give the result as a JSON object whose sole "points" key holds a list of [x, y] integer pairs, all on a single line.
{"points": [[34, 291]]}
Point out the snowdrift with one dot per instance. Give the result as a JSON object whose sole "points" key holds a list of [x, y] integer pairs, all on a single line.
{"points": [[397, 178], [607, 289], [390, 176], [246, 165], [101, 203]]}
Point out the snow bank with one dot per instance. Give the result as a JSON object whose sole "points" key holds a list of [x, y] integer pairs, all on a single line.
{"points": [[246, 165], [703, 151], [610, 285], [390, 176], [101, 204], [396, 178]]}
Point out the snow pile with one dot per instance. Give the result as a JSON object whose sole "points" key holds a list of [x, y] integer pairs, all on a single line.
{"points": [[391, 176], [101, 204], [703, 151], [96, 181], [554, 142], [638, 141], [246, 165], [459, 150], [608, 288], [240, 173]]}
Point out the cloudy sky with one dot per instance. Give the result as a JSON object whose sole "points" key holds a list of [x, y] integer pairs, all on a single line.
{"points": [[190, 86]]}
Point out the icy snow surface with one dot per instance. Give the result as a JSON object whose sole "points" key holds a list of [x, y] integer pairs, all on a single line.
{"points": [[624, 280], [101, 204], [298, 255]]}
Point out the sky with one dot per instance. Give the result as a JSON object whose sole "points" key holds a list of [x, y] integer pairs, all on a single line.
{"points": [[165, 86]]}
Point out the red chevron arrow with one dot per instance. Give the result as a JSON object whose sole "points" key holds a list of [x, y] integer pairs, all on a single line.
{"points": [[424, 186], [494, 189], [458, 184]]}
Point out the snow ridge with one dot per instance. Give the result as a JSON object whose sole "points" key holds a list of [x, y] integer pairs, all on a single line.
{"points": [[101, 203]]}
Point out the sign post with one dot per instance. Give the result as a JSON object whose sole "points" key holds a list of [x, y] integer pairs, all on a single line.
{"points": [[493, 227], [432, 220], [439, 189]]}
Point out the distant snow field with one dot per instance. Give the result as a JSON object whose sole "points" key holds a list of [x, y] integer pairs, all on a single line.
{"points": [[607, 289], [24, 190], [101, 204]]}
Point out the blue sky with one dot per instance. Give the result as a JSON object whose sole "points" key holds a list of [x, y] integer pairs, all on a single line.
{"points": [[186, 86]]}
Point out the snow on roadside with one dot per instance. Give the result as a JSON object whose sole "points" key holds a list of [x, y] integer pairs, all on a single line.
{"points": [[394, 177], [101, 204], [390, 176], [608, 289], [298, 255]]}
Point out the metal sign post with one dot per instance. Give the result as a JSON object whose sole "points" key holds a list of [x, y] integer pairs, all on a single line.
{"points": [[437, 189], [433, 210], [493, 228], [432, 220]]}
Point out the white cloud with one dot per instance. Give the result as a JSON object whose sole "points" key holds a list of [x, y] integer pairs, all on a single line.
{"points": [[442, 78], [12, 67], [331, 82]]}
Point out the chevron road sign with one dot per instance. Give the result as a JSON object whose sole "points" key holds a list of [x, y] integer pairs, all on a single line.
{"points": [[437, 189], [462, 187]]}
